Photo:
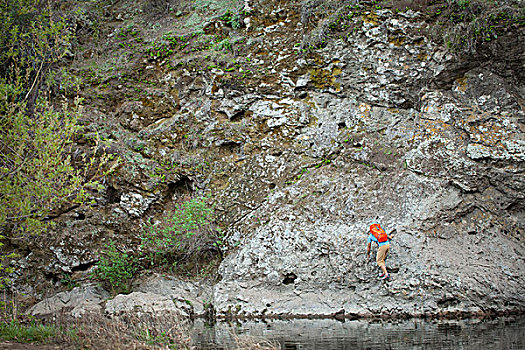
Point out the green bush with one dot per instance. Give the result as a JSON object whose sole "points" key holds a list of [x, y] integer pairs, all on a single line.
{"points": [[38, 178], [116, 269], [37, 175], [184, 239], [33, 37]]}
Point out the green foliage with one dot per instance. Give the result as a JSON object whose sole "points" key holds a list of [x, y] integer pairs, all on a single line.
{"points": [[116, 269], [37, 175], [168, 45], [223, 45], [5, 269], [231, 19], [30, 332], [32, 38], [68, 282], [147, 331], [184, 237], [323, 163], [154, 337], [185, 241], [463, 3]]}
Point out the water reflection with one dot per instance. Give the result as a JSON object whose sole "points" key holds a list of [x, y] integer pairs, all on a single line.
{"points": [[503, 333]]}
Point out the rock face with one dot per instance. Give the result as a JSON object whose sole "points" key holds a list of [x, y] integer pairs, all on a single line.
{"points": [[78, 301], [193, 299], [381, 124], [155, 295], [442, 166]]}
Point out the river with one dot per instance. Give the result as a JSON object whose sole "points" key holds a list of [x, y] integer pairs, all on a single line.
{"points": [[328, 334]]}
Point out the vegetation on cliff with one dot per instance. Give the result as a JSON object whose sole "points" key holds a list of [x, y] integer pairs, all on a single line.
{"points": [[39, 122], [184, 242]]}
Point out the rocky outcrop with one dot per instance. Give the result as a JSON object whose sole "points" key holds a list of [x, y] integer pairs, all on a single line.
{"points": [[377, 123], [442, 166], [78, 301], [194, 299], [155, 295]]}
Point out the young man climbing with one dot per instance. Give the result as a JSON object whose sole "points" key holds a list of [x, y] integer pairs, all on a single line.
{"points": [[379, 236]]}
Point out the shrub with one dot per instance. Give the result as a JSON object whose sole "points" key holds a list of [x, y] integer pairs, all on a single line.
{"points": [[184, 238], [38, 179], [116, 269]]}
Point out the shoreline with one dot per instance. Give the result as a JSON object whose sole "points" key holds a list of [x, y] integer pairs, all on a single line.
{"points": [[451, 315]]}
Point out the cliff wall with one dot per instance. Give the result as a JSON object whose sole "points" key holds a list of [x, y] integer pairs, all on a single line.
{"points": [[305, 122]]}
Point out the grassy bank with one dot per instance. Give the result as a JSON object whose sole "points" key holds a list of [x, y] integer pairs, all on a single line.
{"points": [[96, 331]]}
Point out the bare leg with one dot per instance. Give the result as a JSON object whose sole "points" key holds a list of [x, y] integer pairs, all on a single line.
{"points": [[382, 253]]}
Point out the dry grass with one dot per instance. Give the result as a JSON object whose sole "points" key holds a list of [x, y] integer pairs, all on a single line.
{"points": [[247, 342], [97, 331], [130, 331], [148, 331]]}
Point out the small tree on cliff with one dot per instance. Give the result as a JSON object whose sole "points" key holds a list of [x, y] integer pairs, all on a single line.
{"points": [[37, 175]]}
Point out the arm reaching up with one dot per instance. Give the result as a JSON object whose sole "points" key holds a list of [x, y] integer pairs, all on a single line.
{"points": [[391, 234]]}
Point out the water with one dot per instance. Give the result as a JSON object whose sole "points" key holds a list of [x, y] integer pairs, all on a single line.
{"points": [[502, 333]]}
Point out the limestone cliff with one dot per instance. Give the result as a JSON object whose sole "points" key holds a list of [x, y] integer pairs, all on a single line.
{"points": [[306, 121]]}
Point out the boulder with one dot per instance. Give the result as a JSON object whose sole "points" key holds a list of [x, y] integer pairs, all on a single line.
{"points": [[78, 301]]}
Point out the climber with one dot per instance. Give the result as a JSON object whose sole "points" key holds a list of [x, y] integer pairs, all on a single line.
{"points": [[378, 235]]}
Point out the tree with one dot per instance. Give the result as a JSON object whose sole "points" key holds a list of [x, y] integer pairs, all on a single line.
{"points": [[37, 175]]}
